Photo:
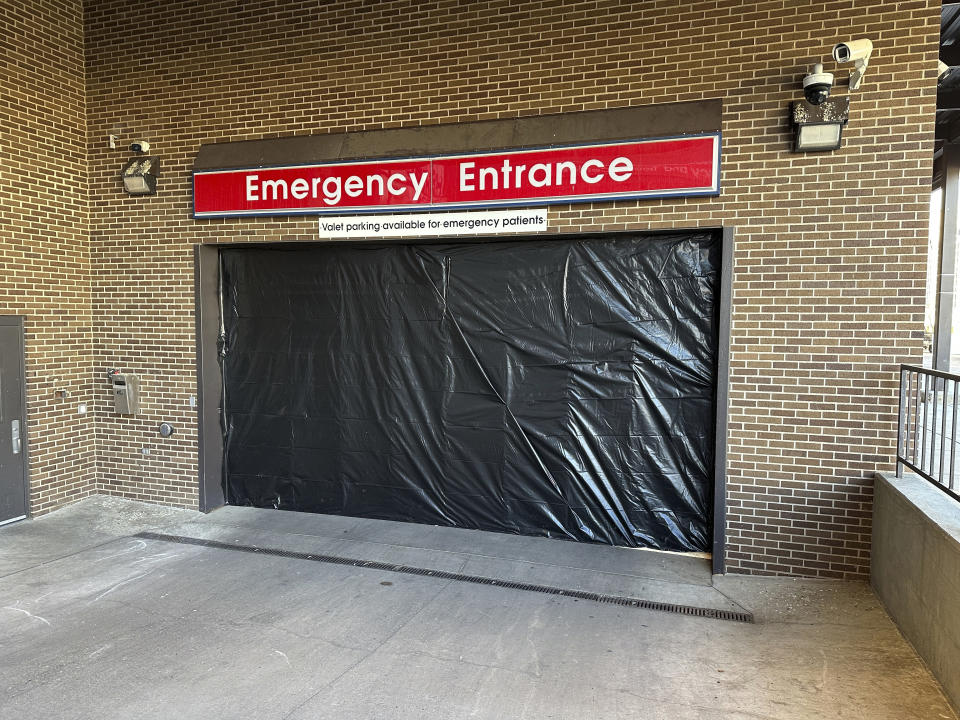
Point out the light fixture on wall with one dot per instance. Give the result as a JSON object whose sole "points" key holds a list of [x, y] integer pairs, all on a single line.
{"points": [[818, 128], [140, 176]]}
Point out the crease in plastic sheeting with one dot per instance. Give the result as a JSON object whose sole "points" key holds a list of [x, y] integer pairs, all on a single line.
{"points": [[221, 355], [667, 431], [579, 454], [483, 371], [613, 507]]}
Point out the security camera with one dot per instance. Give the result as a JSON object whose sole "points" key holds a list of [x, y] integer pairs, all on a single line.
{"points": [[852, 51], [857, 52], [816, 85], [141, 146]]}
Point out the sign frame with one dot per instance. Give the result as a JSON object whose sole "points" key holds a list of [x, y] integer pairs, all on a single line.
{"points": [[712, 191]]}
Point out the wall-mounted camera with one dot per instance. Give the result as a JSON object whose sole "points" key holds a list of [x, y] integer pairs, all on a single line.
{"points": [[141, 146], [816, 85], [858, 52]]}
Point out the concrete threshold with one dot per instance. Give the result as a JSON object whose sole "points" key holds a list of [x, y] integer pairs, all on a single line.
{"points": [[674, 581]]}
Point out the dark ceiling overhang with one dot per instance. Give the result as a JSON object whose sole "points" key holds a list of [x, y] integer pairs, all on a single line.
{"points": [[630, 123]]}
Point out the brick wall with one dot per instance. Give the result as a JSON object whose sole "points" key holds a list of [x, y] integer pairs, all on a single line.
{"points": [[44, 236], [830, 248]]}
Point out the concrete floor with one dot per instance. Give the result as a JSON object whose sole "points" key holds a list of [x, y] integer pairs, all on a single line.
{"points": [[94, 623]]}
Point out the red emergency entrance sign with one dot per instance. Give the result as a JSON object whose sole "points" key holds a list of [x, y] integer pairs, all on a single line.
{"points": [[582, 173]]}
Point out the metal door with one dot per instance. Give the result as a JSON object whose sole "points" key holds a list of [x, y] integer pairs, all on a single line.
{"points": [[13, 441]]}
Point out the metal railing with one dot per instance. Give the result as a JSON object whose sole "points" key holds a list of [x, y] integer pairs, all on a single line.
{"points": [[927, 441]]}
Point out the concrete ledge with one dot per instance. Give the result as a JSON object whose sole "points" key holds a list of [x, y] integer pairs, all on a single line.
{"points": [[915, 570]]}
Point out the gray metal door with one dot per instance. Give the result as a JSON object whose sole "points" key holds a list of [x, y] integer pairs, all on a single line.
{"points": [[13, 441]]}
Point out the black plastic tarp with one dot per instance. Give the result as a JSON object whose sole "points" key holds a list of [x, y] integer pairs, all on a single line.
{"points": [[553, 387]]}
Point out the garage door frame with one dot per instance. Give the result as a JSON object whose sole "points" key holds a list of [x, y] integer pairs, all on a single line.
{"points": [[210, 382]]}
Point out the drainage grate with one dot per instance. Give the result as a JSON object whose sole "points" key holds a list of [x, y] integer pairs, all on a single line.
{"points": [[744, 617]]}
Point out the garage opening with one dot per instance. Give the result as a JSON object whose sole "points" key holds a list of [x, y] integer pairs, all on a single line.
{"points": [[560, 387]]}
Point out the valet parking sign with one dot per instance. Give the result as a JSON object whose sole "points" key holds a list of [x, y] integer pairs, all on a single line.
{"points": [[683, 166]]}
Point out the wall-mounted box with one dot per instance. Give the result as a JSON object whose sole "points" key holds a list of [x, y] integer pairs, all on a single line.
{"points": [[126, 393]]}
